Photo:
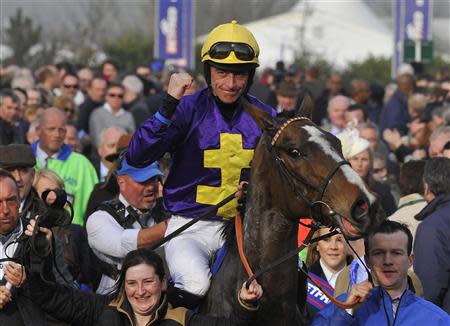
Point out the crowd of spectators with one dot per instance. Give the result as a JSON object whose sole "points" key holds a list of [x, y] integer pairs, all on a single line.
{"points": [[78, 119]]}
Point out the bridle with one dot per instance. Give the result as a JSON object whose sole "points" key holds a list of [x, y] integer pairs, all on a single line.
{"points": [[289, 175], [318, 201]]}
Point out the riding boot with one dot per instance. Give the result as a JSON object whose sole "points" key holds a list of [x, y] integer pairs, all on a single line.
{"points": [[181, 298]]}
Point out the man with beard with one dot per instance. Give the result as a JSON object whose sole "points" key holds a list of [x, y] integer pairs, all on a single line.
{"points": [[211, 138]]}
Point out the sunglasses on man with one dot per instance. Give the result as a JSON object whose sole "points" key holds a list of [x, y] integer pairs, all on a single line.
{"points": [[222, 50], [75, 86], [115, 95]]}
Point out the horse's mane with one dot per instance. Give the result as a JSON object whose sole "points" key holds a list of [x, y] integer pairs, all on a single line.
{"points": [[229, 234]]}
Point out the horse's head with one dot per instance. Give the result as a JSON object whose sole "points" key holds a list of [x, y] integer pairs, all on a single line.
{"points": [[309, 176]]}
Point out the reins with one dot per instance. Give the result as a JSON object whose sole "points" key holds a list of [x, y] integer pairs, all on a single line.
{"points": [[321, 190], [193, 221], [238, 221], [308, 241]]}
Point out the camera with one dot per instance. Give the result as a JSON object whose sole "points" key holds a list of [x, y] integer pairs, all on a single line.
{"points": [[53, 212]]}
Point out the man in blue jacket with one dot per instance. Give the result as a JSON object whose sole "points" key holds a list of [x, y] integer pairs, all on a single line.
{"points": [[395, 113], [211, 138], [388, 255], [431, 246]]}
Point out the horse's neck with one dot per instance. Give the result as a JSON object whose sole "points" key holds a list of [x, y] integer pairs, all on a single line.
{"points": [[269, 235]]}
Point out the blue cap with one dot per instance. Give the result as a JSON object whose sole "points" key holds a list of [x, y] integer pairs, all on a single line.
{"points": [[139, 174], [157, 65]]}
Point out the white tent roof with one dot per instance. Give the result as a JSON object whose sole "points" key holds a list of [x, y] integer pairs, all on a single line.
{"points": [[338, 31]]}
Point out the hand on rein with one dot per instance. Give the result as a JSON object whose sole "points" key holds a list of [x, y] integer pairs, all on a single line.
{"points": [[251, 294], [359, 292], [241, 196]]}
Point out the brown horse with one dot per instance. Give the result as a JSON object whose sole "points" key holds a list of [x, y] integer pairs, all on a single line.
{"points": [[297, 170]]}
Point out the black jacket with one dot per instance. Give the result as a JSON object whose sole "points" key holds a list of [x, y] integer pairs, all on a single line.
{"points": [[85, 110], [21, 310], [8, 133], [139, 109], [431, 248], [383, 191], [81, 308]]}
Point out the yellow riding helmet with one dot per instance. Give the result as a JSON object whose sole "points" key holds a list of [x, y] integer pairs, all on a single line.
{"points": [[230, 33]]}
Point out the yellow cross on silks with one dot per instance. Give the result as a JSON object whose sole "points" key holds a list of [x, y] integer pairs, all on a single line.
{"points": [[230, 158]]}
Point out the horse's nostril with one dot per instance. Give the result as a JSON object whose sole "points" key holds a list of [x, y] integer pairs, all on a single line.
{"points": [[359, 210]]}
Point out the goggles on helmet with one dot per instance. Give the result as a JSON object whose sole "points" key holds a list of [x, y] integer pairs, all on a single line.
{"points": [[222, 50]]}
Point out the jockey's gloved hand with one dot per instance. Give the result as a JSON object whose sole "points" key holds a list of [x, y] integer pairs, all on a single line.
{"points": [[241, 196]]}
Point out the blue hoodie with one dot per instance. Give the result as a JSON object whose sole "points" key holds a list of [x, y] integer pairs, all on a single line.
{"points": [[377, 310]]}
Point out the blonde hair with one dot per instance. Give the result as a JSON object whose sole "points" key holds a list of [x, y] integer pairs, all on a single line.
{"points": [[62, 102], [49, 175]]}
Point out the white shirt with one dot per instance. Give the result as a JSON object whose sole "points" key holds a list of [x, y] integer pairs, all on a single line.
{"points": [[335, 130], [108, 108], [110, 241], [103, 171], [331, 277], [42, 156], [7, 249]]}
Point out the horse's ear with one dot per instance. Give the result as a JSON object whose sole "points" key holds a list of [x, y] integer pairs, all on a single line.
{"points": [[306, 106], [262, 118]]}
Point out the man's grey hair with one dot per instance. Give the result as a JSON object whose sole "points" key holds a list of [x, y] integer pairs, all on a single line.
{"points": [[443, 130], [101, 137], [40, 118], [440, 111], [368, 125], [446, 118], [337, 98], [24, 82], [437, 175]]}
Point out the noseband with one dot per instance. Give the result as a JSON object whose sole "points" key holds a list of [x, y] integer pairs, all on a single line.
{"points": [[289, 175]]}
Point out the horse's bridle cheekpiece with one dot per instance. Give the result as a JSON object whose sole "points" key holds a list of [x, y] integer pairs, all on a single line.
{"points": [[317, 204]]}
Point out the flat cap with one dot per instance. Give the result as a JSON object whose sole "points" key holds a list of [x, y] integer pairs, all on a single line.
{"points": [[16, 155]]}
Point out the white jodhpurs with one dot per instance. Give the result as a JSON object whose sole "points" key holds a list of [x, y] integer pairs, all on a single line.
{"points": [[189, 253]]}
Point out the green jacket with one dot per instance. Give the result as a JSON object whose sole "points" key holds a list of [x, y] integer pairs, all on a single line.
{"points": [[79, 178]]}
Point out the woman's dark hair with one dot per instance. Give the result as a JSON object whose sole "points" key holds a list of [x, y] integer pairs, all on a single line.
{"points": [[411, 177], [437, 175], [134, 258]]}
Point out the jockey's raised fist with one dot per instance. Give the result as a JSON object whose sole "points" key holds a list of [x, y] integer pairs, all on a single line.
{"points": [[178, 84]]}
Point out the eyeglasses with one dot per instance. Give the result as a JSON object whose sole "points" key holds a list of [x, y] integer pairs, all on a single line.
{"points": [[222, 50], [115, 95], [67, 110], [377, 170], [75, 86]]}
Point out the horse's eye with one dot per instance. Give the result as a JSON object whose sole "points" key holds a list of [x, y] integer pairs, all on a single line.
{"points": [[294, 152]]}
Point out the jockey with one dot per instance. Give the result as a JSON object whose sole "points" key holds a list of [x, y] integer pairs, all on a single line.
{"points": [[211, 139]]}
